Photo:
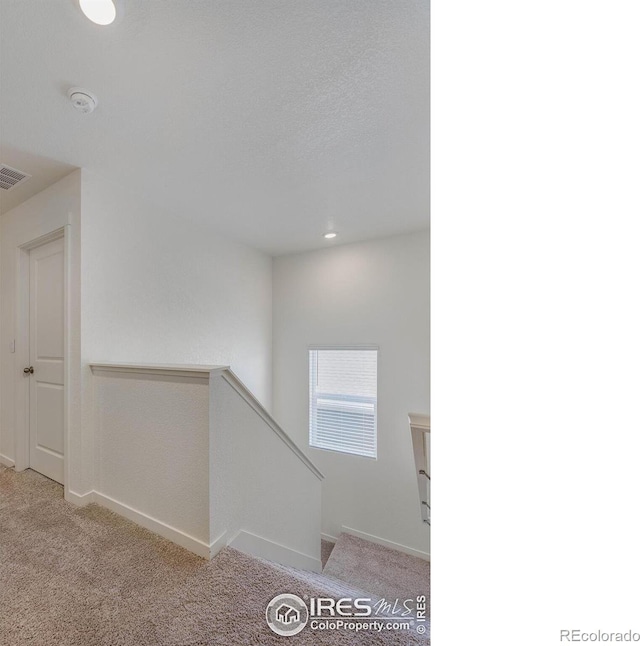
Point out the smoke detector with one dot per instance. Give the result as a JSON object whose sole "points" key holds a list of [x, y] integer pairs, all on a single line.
{"points": [[83, 100]]}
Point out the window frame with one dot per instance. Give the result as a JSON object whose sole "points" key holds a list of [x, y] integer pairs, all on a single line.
{"points": [[313, 398]]}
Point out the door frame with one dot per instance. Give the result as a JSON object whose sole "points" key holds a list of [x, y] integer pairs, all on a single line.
{"points": [[22, 329]]}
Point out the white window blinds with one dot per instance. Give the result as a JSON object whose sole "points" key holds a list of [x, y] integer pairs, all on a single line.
{"points": [[343, 386]]}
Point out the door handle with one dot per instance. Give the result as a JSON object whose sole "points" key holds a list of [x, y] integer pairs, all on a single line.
{"points": [[28, 371]]}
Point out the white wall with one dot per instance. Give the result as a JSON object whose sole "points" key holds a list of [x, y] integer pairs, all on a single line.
{"points": [[157, 287], [54, 208], [262, 494], [191, 455], [152, 447], [375, 293]]}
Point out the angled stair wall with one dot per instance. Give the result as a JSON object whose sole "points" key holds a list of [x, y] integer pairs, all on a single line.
{"points": [[189, 453]]}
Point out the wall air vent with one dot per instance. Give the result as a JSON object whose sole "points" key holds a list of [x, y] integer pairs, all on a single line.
{"points": [[10, 177]]}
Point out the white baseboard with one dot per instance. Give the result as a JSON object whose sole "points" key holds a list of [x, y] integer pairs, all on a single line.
{"points": [[266, 549], [190, 543], [79, 499], [385, 543], [328, 537], [8, 462], [243, 541], [218, 544]]}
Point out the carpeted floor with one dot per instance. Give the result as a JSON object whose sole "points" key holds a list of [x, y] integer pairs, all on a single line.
{"points": [[379, 570], [87, 577]]}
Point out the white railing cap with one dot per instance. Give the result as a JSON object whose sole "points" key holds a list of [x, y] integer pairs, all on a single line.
{"points": [[420, 421]]}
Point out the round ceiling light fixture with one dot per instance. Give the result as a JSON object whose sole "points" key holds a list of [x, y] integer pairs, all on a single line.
{"points": [[102, 12], [83, 100], [330, 236]]}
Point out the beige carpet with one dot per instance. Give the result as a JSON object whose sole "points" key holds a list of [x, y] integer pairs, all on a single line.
{"points": [[87, 577], [384, 572]]}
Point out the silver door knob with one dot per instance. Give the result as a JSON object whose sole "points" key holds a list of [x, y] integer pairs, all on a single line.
{"points": [[28, 371]]}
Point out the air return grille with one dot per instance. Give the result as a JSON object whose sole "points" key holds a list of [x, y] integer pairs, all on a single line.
{"points": [[10, 177]]}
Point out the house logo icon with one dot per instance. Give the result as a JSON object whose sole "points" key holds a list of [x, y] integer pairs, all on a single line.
{"points": [[287, 614]]}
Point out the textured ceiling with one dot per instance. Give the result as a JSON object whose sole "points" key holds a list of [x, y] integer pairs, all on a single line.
{"points": [[276, 119]]}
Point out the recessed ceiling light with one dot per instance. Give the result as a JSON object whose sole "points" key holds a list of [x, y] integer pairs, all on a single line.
{"points": [[330, 235], [102, 12]]}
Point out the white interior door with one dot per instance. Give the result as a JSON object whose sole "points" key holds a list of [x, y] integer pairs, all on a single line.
{"points": [[46, 353]]}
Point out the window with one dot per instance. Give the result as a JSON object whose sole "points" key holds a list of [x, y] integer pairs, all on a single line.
{"points": [[343, 385]]}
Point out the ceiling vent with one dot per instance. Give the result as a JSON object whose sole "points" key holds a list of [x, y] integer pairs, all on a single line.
{"points": [[10, 177]]}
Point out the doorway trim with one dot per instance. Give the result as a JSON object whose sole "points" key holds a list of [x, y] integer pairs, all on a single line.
{"points": [[22, 459]]}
